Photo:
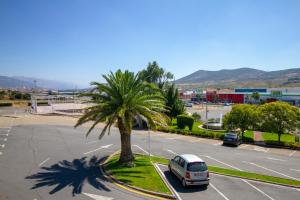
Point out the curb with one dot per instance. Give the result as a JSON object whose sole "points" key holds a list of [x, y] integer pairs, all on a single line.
{"points": [[137, 189]]}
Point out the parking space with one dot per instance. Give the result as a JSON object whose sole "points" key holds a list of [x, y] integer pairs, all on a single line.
{"points": [[229, 188]]}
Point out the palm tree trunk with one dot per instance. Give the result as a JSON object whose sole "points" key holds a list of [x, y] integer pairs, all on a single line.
{"points": [[126, 153]]}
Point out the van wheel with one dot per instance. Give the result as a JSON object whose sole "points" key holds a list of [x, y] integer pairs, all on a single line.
{"points": [[183, 182]]}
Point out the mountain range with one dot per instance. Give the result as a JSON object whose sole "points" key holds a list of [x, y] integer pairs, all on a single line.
{"points": [[243, 77], [28, 82]]}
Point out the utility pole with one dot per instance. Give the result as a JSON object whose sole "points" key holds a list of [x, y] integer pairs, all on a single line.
{"points": [[206, 109]]}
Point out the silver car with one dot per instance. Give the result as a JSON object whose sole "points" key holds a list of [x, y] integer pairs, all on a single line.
{"points": [[190, 169]]}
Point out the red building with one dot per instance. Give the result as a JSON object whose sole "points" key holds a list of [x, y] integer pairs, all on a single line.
{"points": [[222, 98]]}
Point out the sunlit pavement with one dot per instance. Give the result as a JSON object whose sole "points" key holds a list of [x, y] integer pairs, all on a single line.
{"points": [[59, 162]]}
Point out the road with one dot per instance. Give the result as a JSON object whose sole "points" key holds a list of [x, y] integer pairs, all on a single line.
{"points": [[58, 162]]}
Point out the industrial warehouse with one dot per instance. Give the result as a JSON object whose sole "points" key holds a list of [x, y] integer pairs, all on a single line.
{"points": [[243, 95]]}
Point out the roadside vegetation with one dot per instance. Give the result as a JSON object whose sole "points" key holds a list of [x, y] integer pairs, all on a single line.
{"points": [[277, 120], [143, 175]]}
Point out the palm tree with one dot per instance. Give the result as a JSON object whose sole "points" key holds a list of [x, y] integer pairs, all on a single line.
{"points": [[124, 97]]}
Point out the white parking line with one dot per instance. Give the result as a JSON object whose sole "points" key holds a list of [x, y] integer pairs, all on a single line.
{"points": [[258, 189], [1, 153], [172, 152], [296, 170], [223, 163], [103, 147], [91, 142], [4, 134], [220, 193], [4, 139], [271, 170], [44, 162], [146, 152], [259, 182], [173, 190], [292, 153], [2, 145], [261, 149], [276, 159]]}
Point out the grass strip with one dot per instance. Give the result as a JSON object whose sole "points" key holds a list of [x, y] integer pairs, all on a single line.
{"points": [[142, 175], [241, 174], [254, 176]]}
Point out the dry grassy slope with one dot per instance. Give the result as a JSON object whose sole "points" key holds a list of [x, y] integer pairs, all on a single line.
{"points": [[243, 77]]}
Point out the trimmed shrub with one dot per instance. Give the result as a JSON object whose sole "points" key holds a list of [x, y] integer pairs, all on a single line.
{"points": [[185, 120], [3, 104]]}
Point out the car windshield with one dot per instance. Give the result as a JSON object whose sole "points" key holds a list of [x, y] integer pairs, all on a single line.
{"points": [[231, 135], [196, 166]]}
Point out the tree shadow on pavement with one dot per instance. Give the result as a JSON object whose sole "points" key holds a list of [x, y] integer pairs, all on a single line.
{"points": [[72, 174], [176, 184]]}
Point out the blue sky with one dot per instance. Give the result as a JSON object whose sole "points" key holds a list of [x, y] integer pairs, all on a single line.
{"points": [[79, 40]]}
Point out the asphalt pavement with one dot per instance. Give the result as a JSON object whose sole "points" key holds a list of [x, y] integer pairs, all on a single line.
{"points": [[59, 162]]}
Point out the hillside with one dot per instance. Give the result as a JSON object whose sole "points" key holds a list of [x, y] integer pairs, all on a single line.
{"points": [[243, 77], [26, 82]]}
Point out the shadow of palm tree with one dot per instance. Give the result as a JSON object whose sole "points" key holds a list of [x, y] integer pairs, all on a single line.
{"points": [[72, 174]]}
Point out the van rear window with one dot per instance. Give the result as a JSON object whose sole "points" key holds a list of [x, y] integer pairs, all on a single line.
{"points": [[196, 166]]}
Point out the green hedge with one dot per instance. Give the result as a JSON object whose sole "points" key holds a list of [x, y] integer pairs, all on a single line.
{"points": [[3, 104], [185, 120], [199, 132]]}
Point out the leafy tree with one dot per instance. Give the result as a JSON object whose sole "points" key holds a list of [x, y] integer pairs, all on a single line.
{"points": [[279, 117], [242, 116], [124, 97], [196, 116], [255, 96], [174, 105], [155, 74]]}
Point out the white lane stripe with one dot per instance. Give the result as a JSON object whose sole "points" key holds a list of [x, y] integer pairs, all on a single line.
{"points": [[1, 153], [4, 139], [2, 145], [146, 152], [4, 134], [172, 152], [277, 159], [223, 163], [258, 189], [103, 147], [271, 170], [173, 190], [292, 153], [220, 193], [44, 162], [91, 142], [297, 170]]}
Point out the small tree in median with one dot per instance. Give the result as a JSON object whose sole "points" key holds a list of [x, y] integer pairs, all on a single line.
{"points": [[242, 116], [279, 117]]}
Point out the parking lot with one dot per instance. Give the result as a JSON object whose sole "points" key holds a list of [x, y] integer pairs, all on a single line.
{"points": [[41, 155]]}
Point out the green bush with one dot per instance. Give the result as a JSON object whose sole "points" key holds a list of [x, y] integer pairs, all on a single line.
{"points": [[2, 104], [185, 120], [297, 139]]}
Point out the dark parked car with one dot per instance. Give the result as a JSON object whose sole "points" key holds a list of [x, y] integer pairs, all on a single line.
{"points": [[232, 139]]}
